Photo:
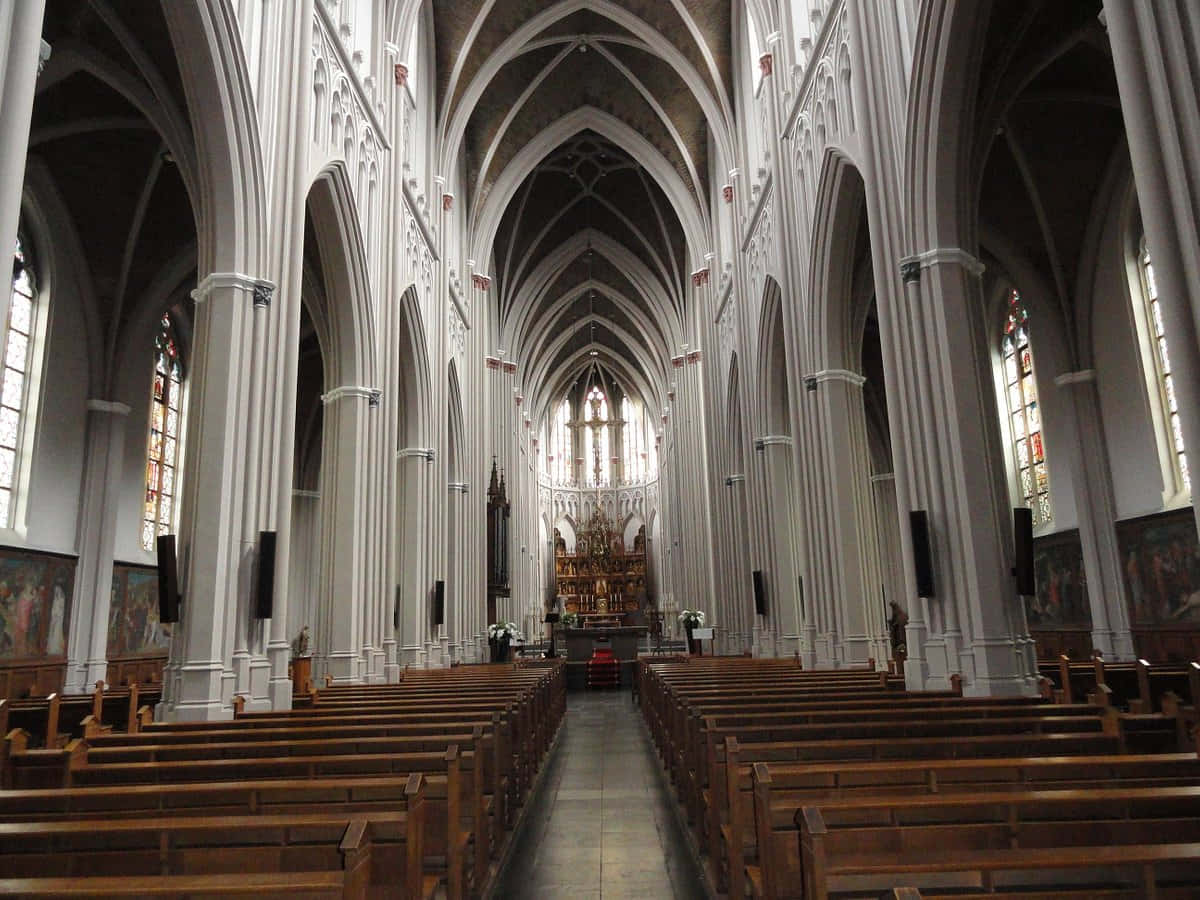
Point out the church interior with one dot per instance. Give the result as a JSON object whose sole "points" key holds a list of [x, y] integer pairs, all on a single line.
{"points": [[388, 385]]}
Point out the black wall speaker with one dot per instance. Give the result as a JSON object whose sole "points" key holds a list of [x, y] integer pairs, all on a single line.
{"points": [[264, 581], [801, 580], [439, 603], [396, 609], [922, 552], [168, 579], [1023, 546], [760, 593]]}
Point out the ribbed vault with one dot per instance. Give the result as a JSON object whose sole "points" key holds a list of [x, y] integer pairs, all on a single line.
{"points": [[588, 131]]}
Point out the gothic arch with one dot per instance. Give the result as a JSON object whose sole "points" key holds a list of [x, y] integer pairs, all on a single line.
{"points": [[841, 196], [230, 194], [350, 351]]}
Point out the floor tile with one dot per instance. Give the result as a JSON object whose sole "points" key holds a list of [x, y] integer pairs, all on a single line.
{"points": [[602, 827]]}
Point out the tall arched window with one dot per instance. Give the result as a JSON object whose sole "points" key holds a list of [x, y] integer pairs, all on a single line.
{"points": [[1162, 377], [558, 460], [15, 392], [162, 455], [596, 453], [634, 440], [1024, 412]]}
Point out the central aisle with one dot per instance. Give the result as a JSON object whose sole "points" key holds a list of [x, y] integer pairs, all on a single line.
{"points": [[601, 825]]}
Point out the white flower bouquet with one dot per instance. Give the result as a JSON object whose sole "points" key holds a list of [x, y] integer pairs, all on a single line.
{"points": [[691, 618], [504, 631]]}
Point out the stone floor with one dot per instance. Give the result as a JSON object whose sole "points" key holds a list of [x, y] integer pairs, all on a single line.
{"points": [[602, 825]]}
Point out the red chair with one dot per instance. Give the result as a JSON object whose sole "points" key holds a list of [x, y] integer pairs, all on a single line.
{"points": [[603, 669]]}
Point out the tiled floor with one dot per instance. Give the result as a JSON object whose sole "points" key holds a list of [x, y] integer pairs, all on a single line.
{"points": [[601, 826]]}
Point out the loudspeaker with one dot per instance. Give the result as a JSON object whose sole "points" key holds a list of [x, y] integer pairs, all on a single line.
{"points": [[439, 603], [168, 579], [264, 582], [918, 521], [760, 593], [801, 580], [1023, 546], [396, 609]]}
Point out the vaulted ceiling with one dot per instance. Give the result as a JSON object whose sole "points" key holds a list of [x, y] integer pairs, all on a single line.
{"points": [[587, 130]]}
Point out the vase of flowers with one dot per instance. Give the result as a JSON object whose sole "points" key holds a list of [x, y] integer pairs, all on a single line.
{"points": [[690, 619], [570, 620], [500, 639]]}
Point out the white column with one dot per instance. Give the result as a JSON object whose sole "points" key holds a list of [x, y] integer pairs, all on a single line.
{"points": [[21, 50], [851, 522], [979, 620], [87, 660], [343, 510], [413, 475], [784, 609], [201, 683], [1156, 55], [891, 556], [1091, 479]]}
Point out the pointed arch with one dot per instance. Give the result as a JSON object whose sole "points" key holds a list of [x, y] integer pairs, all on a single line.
{"points": [[350, 352]]}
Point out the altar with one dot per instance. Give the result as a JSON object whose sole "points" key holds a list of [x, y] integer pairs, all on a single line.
{"points": [[582, 643]]}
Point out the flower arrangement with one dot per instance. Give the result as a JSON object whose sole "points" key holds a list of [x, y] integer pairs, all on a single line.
{"points": [[569, 619], [691, 618], [504, 631]]}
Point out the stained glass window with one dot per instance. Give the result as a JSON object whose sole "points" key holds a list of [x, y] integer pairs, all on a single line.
{"points": [[634, 440], [1024, 412], [1162, 363], [15, 389], [162, 456]]}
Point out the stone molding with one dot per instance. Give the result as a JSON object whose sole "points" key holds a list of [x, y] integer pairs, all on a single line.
{"points": [[851, 378], [425, 453], [260, 288], [108, 406], [911, 266], [1081, 377], [371, 395]]}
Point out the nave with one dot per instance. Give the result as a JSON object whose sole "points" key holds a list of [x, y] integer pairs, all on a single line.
{"points": [[602, 826]]}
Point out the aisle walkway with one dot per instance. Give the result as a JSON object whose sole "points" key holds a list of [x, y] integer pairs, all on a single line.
{"points": [[601, 827]]}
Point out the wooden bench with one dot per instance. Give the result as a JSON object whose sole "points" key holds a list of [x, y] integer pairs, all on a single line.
{"points": [[381, 851]]}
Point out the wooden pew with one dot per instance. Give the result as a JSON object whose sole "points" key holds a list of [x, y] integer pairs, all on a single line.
{"points": [[382, 850], [767, 803], [850, 843]]}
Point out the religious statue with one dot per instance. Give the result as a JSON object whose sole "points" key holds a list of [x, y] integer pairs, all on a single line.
{"points": [[896, 622], [300, 644]]}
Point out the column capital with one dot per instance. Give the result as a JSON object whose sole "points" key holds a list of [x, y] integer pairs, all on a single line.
{"points": [[307, 495], [883, 476], [772, 440], [259, 288], [1083, 376], [460, 487], [371, 395], [425, 453], [108, 406], [911, 266], [731, 480], [852, 378]]}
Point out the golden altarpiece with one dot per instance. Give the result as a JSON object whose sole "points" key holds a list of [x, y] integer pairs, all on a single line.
{"points": [[602, 582]]}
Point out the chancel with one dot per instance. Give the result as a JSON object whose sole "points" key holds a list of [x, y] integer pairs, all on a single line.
{"points": [[387, 383]]}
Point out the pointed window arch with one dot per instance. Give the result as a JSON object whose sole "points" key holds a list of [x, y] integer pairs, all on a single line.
{"points": [[1162, 381], [17, 399], [163, 447], [1024, 412]]}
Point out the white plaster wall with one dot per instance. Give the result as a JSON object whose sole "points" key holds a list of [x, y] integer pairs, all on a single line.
{"points": [[56, 477]]}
